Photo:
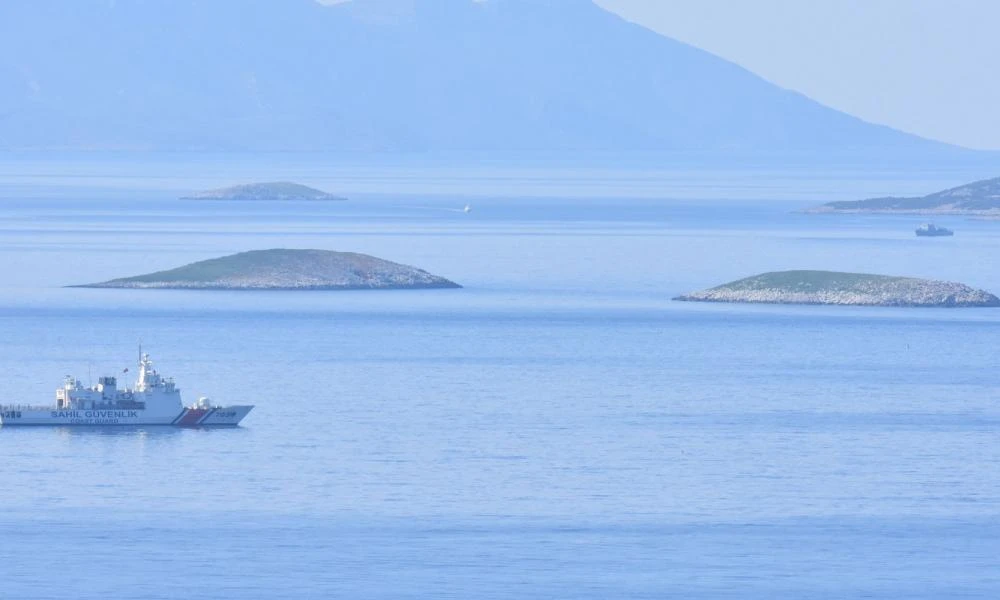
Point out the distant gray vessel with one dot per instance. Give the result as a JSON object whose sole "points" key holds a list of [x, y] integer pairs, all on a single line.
{"points": [[932, 230]]}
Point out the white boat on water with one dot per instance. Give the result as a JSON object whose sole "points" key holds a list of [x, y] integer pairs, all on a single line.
{"points": [[155, 400]]}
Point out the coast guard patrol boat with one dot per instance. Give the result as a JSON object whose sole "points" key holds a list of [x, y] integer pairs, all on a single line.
{"points": [[154, 400]]}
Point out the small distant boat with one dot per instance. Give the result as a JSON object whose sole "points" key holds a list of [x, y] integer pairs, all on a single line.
{"points": [[467, 209], [932, 230]]}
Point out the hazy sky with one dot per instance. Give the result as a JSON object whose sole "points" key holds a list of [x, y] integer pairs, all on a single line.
{"points": [[928, 67]]}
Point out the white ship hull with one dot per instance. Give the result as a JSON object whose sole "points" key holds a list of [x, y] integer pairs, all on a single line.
{"points": [[228, 416], [154, 400]]}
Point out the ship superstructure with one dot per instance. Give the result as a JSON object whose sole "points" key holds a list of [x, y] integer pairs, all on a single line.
{"points": [[932, 230], [153, 400]]}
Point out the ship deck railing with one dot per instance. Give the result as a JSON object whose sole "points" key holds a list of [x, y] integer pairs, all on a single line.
{"points": [[51, 407]]}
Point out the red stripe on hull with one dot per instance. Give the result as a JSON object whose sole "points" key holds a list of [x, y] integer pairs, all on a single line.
{"points": [[192, 417]]}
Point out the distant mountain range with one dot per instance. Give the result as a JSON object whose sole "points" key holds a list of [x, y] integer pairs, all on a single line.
{"points": [[494, 78], [976, 198]]}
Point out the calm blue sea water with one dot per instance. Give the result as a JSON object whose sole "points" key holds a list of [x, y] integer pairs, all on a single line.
{"points": [[558, 428]]}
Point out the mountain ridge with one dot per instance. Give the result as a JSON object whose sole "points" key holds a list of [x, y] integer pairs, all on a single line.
{"points": [[498, 78]]}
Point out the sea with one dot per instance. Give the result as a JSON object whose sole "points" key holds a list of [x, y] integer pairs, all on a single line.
{"points": [[558, 428]]}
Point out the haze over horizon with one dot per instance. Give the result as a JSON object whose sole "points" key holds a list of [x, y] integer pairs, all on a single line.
{"points": [[504, 79], [918, 62], [920, 66]]}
